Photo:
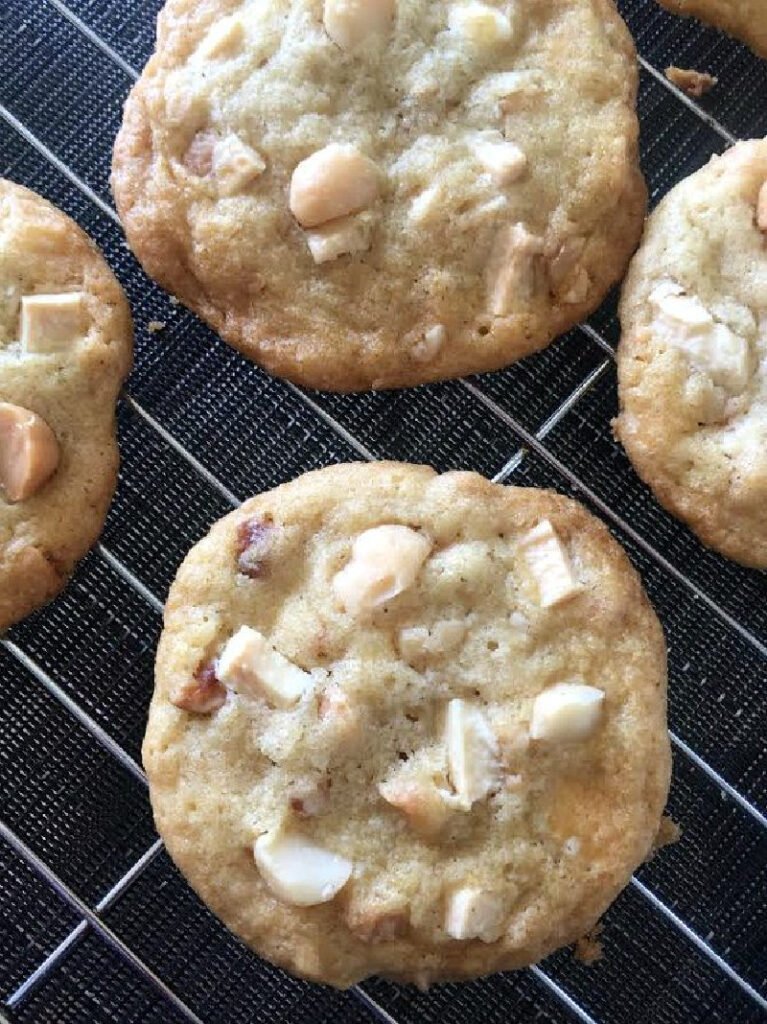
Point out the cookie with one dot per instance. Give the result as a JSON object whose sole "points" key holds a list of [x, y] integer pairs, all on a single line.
{"points": [[692, 360], [408, 724], [369, 195], [745, 19], [65, 347]]}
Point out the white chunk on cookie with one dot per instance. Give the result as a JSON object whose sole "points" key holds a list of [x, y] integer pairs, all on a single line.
{"points": [[549, 565], [480, 26], [513, 269], [474, 914], [426, 806], [333, 182], [417, 642], [297, 871], [29, 452], [225, 39], [251, 667], [504, 160], [51, 323], [339, 238], [385, 561], [472, 753], [350, 23], [235, 164], [566, 711], [713, 348], [761, 208]]}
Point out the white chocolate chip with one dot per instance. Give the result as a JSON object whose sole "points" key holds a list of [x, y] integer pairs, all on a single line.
{"points": [[235, 164], [503, 159], [339, 237], [430, 343], [713, 348], [333, 182], [479, 25], [513, 269], [297, 871], [474, 914], [251, 667], [549, 565], [385, 561], [417, 643], [566, 711], [761, 208], [472, 753], [351, 22], [51, 323], [225, 39], [29, 452], [425, 806]]}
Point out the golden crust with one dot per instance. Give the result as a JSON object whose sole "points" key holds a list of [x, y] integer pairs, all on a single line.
{"points": [[213, 790], [745, 19]]}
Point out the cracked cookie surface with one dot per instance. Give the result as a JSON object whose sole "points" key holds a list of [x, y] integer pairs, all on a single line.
{"points": [[692, 360], [65, 347], [408, 724], [379, 194]]}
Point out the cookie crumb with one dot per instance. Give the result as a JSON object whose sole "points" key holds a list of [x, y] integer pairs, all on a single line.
{"points": [[156, 325], [588, 949], [693, 83], [174, 301], [668, 832]]}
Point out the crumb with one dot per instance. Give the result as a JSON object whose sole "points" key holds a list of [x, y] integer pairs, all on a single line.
{"points": [[668, 832], [155, 325], [694, 83], [589, 948], [174, 301]]}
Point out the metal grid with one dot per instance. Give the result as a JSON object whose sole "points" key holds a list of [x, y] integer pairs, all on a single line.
{"points": [[96, 923]]}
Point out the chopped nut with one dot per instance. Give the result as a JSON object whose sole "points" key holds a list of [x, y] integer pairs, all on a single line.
{"points": [[297, 871], [694, 83], [198, 158], [375, 925], [51, 323], [203, 694], [424, 805], [254, 540], [339, 238], [513, 269], [309, 800], [761, 208], [480, 25], [475, 914], [472, 753], [385, 561], [566, 711], [351, 22], [331, 183], [429, 344], [235, 164], [549, 565], [250, 666], [503, 159], [668, 832], [225, 39], [29, 452]]}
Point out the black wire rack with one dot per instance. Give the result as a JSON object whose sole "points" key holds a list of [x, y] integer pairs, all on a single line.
{"points": [[96, 925]]}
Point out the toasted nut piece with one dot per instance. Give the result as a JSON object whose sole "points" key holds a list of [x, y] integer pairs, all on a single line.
{"points": [[376, 925], [51, 323], [513, 269], [472, 753], [479, 25], [549, 565], [29, 452], [331, 183], [503, 159], [203, 694], [351, 22], [385, 561], [339, 237], [566, 711], [426, 807], [761, 208], [694, 83], [225, 38], [254, 539], [235, 164], [250, 666], [474, 914], [297, 871]]}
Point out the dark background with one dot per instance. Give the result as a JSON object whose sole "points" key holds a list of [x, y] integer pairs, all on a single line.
{"points": [[205, 426]]}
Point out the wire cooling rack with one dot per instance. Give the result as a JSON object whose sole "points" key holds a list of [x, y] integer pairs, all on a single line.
{"points": [[95, 923]]}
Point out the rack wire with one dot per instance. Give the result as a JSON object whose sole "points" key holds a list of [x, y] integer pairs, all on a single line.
{"points": [[96, 924]]}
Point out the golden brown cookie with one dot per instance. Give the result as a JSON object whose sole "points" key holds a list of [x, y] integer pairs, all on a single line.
{"points": [[378, 194], [66, 345], [408, 724], [746, 19], [692, 361]]}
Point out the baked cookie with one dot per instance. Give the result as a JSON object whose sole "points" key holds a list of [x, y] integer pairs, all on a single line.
{"points": [[65, 346], [408, 724], [746, 19], [692, 361], [376, 194]]}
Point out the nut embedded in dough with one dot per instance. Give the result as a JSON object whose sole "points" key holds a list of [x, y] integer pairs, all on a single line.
{"points": [[385, 561], [566, 711], [350, 23], [203, 693], [514, 269], [479, 25], [472, 753], [549, 565], [474, 914], [332, 182], [251, 667], [298, 871], [29, 452]]}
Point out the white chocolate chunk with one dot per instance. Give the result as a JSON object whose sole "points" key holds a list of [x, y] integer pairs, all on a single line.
{"points": [[761, 208], [251, 667], [351, 22], [513, 269], [549, 565], [713, 348], [566, 711], [297, 871], [333, 182], [472, 753], [339, 237], [480, 25], [235, 164], [225, 39], [51, 323], [29, 452], [417, 642], [503, 159], [425, 806], [474, 914], [385, 561]]}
